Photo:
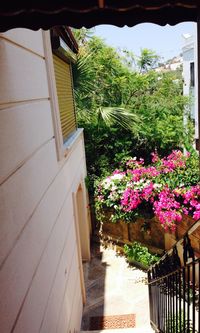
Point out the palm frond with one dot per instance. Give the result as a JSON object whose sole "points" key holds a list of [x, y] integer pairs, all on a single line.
{"points": [[116, 115], [82, 74]]}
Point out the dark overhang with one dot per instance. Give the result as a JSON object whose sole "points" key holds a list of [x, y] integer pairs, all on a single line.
{"points": [[64, 44], [66, 35], [46, 14]]}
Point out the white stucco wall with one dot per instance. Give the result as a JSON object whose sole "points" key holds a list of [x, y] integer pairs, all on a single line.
{"points": [[40, 278], [190, 55]]}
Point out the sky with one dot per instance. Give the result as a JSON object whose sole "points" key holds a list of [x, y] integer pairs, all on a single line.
{"points": [[166, 41]]}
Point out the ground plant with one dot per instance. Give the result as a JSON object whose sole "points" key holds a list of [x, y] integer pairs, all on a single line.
{"points": [[136, 252]]}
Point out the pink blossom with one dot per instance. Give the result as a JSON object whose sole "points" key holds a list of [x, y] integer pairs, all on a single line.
{"points": [[147, 192], [196, 215], [154, 157], [175, 160], [118, 172], [167, 209], [187, 154], [100, 198], [139, 183], [133, 163], [130, 199]]}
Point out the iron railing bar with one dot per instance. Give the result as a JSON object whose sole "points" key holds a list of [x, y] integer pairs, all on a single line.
{"points": [[170, 302], [167, 314], [180, 309], [183, 272], [164, 276], [176, 301], [164, 306], [175, 296], [179, 286], [155, 327], [193, 297], [159, 312], [171, 273], [173, 305], [199, 299], [188, 298]]}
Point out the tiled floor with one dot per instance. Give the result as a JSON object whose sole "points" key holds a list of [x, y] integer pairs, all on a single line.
{"points": [[113, 288]]}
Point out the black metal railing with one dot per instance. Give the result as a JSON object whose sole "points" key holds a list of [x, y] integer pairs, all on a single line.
{"points": [[174, 289]]}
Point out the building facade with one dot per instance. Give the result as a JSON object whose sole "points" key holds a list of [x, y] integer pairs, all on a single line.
{"points": [[44, 219], [190, 76]]}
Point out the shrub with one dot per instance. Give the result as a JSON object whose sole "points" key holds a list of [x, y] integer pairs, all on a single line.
{"points": [[167, 189], [140, 253]]}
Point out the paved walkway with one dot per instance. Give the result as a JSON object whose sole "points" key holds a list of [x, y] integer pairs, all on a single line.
{"points": [[113, 288]]}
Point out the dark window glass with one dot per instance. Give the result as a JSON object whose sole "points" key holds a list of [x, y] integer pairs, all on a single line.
{"points": [[192, 74]]}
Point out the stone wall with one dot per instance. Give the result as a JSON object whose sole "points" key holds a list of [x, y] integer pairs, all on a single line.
{"points": [[186, 223], [156, 239], [129, 232]]}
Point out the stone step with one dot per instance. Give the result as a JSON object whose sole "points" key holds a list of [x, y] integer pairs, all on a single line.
{"points": [[124, 330]]}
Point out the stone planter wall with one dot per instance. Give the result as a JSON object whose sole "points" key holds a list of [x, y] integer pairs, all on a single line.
{"points": [[130, 232], [172, 238], [157, 240]]}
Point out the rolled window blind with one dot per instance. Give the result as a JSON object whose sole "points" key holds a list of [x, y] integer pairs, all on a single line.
{"points": [[65, 96]]}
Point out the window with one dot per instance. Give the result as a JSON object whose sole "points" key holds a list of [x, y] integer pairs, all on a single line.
{"points": [[64, 88], [63, 55], [192, 74]]}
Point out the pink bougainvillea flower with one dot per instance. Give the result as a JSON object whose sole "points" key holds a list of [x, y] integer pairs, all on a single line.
{"points": [[147, 192], [126, 190], [196, 215], [130, 200], [154, 157]]}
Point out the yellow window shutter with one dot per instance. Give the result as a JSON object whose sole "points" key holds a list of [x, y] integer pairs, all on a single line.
{"points": [[65, 96]]}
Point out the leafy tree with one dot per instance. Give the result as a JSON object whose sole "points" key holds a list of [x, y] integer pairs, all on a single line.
{"points": [[125, 107], [147, 60]]}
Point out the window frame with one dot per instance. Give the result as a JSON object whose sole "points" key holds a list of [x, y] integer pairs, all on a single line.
{"points": [[71, 115], [62, 148]]}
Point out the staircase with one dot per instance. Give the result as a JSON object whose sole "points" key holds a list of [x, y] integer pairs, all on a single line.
{"points": [[113, 289], [174, 286]]}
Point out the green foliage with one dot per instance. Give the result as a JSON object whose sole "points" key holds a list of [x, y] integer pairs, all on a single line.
{"points": [[147, 60], [178, 323], [82, 35], [140, 253], [182, 177], [125, 108]]}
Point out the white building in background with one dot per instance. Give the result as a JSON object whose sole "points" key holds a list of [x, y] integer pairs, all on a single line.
{"points": [[171, 65], [190, 75]]}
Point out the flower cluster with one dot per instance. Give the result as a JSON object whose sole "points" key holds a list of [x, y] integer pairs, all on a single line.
{"points": [[167, 209], [158, 188], [191, 201]]}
